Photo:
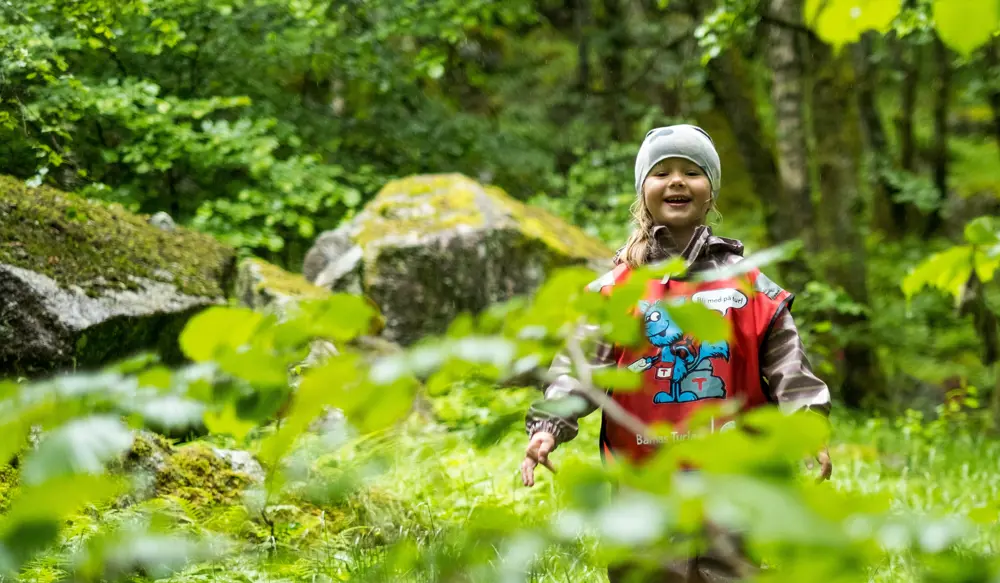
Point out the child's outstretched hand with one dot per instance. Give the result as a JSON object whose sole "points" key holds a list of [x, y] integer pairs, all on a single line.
{"points": [[825, 465], [539, 447]]}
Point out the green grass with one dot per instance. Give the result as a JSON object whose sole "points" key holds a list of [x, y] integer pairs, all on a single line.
{"points": [[424, 482]]}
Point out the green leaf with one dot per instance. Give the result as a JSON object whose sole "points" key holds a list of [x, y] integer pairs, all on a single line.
{"points": [[965, 26], [158, 377], [982, 231], [37, 513], [258, 366], [946, 271], [227, 422], [339, 318], [82, 446], [839, 22], [618, 379], [119, 555], [170, 412], [986, 265], [218, 330], [700, 321], [314, 393], [756, 260]]}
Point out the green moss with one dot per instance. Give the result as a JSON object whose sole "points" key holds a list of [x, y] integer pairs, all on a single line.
{"points": [[401, 207], [148, 445], [277, 280], [78, 242], [551, 230], [9, 482], [196, 474]]}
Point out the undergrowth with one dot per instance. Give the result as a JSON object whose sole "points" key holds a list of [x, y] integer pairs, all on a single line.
{"points": [[422, 482]]}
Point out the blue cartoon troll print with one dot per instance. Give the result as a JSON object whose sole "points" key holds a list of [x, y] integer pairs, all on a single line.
{"points": [[687, 363]]}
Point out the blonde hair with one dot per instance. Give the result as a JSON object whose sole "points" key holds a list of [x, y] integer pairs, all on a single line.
{"points": [[636, 249]]}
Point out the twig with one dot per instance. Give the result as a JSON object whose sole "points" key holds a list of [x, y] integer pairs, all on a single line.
{"points": [[771, 19], [610, 406]]}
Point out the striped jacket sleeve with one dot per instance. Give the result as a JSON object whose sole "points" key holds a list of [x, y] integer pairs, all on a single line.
{"points": [[785, 366], [564, 404]]}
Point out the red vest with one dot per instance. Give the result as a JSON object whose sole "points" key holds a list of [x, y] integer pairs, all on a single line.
{"points": [[680, 374]]}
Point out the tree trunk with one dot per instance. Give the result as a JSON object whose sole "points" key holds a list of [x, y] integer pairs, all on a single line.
{"points": [[795, 214], [993, 62], [906, 58], [581, 15], [942, 92], [731, 89], [837, 155], [889, 215], [612, 21]]}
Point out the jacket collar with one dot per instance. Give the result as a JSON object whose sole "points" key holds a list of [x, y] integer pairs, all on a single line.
{"points": [[703, 245]]}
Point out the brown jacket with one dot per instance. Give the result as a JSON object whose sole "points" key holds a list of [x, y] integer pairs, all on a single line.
{"points": [[784, 364]]}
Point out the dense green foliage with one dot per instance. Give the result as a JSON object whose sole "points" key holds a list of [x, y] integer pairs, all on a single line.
{"points": [[377, 499], [264, 122]]}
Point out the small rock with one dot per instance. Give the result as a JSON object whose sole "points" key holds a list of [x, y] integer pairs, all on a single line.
{"points": [[243, 462], [162, 220]]}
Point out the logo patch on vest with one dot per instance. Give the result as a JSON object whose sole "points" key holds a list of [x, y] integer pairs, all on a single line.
{"points": [[684, 362]]}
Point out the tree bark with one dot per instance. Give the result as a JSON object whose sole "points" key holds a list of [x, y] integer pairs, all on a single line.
{"points": [[581, 15], [906, 59], [942, 93], [795, 213], [842, 208], [993, 62], [612, 21], [731, 89], [890, 216]]}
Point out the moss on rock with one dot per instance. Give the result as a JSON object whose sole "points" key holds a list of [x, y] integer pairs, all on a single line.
{"points": [[262, 285], [197, 474], [78, 242], [434, 246]]}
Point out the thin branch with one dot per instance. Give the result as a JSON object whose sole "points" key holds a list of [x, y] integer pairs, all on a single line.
{"points": [[610, 406], [644, 70], [768, 18]]}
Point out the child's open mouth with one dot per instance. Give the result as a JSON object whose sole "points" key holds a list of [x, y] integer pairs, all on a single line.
{"points": [[677, 200]]}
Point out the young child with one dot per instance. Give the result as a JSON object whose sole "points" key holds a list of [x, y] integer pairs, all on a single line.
{"points": [[677, 179]]}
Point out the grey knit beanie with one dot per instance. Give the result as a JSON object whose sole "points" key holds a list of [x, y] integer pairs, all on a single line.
{"points": [[679, 141]]}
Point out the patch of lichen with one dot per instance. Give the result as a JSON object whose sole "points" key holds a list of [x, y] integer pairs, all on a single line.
{"points": [[79, 242], [556, 233], [196, 474], [399, 208], [276, 280]]}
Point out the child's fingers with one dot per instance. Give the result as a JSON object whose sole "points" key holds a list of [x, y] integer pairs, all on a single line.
{"points": [[528, 472]]}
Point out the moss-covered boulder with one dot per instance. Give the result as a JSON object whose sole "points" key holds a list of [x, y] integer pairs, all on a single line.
{"points": [[266, 287], [428, 248], [196, 472], [83, 283]]}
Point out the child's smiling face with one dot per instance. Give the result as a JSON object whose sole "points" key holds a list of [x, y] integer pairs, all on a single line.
{"points": [[677, 193]]}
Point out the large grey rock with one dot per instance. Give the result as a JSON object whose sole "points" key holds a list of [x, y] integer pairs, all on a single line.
{"points": [[83, 283], [44, 326], [428, 248]]}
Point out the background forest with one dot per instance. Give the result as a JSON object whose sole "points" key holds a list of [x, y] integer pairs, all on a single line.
{"points": [[862, 133]]}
